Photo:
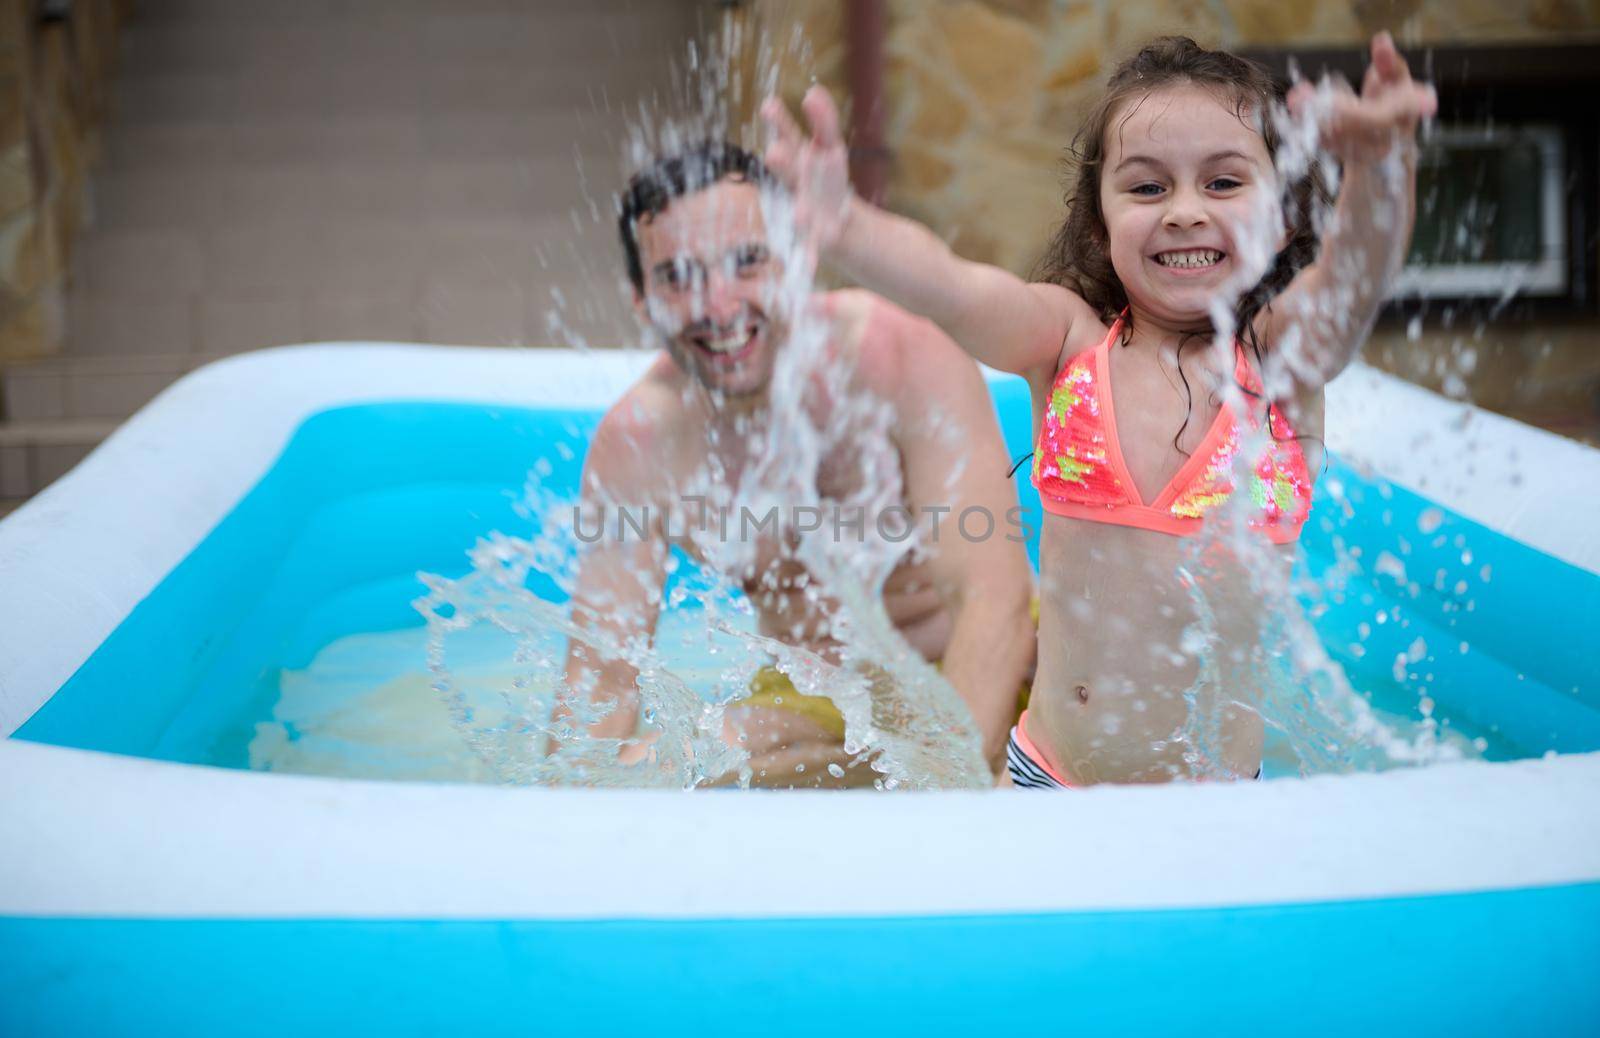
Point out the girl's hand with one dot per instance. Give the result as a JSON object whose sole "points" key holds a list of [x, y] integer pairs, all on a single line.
{"points": [[816, 171], [1368, 127]]}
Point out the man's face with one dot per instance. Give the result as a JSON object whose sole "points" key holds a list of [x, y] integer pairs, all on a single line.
{"points": [[711, 286]]}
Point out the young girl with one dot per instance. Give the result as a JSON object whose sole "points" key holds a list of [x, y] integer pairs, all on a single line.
{"points": [[1178, 222]]}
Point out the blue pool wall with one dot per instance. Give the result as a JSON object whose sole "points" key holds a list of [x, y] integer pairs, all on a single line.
{"points": [[1488, 963], [330, 540]]}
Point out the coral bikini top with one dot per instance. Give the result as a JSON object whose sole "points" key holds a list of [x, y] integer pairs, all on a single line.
{"points": [[1079, 470]]}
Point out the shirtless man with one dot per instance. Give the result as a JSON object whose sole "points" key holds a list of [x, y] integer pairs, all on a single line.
{"points": [[705, 281]]}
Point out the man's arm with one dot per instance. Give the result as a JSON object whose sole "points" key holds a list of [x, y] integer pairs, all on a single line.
{"points": [[954, 457], [617, 596], [1319, 323]]}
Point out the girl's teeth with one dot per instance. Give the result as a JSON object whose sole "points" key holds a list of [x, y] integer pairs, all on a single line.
{"points": [[1192, 258]]}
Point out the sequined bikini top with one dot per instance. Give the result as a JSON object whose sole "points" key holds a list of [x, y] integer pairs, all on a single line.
{"points": [[1080, 473]]}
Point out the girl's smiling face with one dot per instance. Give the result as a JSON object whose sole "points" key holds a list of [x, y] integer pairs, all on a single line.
{"points": [[1190, 202]]}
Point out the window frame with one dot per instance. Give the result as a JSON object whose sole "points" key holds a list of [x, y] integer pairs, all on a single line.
{"points": [[1547, 276], [1516, 85]]}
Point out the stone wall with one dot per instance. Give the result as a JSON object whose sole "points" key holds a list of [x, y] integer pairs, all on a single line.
{"points": [[53, 84], [983, 96]]}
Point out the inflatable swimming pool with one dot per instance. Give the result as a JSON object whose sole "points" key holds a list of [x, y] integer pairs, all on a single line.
{"points": [[272, 503]]}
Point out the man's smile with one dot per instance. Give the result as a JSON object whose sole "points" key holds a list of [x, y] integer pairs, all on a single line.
{"points": [[728, 344]]}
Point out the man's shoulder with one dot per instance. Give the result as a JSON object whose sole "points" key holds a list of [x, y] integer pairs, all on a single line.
{"points": [[639, 425], [869, 316], [865, 329], [651, 404], [886, 341]]}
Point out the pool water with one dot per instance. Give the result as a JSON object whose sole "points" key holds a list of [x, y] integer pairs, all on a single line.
{"points": [[287, 639], [367, 707]]}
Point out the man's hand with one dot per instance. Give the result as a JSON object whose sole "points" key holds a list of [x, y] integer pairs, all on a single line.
{"points": [[1366, 128], [638, 750], [816, 171], [616, 595]]}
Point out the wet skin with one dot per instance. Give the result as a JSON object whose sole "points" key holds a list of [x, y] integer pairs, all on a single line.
{"points": [[701, 415], [1113, 609], [1189, 202]]}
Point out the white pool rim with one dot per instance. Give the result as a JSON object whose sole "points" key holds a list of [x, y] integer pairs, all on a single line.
{"points": [[98, 835]]}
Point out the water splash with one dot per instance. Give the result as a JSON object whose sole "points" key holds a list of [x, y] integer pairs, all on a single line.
{"points": [[901, 718], [1286, 675]]}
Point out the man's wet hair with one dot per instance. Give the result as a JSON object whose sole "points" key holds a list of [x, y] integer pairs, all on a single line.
{"points": [[653, 188]]}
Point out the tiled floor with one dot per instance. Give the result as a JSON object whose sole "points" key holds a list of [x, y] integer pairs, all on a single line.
{"points": [[308, 170]]}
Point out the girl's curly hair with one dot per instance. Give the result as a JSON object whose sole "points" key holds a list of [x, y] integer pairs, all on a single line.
{"points": [[1079, 255]]}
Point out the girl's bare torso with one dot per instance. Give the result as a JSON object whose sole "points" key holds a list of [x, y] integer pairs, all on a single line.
{"points": [[1128, 617]]}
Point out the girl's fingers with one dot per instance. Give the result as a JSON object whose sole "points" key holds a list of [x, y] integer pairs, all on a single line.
{"points": [[782, 125], [1427, 100], [1373, 119], [1384, 58], [1379, 64], [769, 114], [1405, 106], [1372, 81], [774, 153], [823, 116], [1299, 96], [777, 161]]}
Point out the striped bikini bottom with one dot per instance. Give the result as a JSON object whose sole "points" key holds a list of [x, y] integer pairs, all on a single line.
{"points": [[1026, 764]]}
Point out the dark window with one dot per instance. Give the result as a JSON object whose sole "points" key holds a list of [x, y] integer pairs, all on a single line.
{"points": [[1506, 185], [1491, 214]]}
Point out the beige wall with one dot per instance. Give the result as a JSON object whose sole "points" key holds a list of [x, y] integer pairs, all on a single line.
{"points": [[983, 97]]}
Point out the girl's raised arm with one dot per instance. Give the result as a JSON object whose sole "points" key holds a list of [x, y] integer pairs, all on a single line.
{"points": [[1319, 323], [998, 318]]}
